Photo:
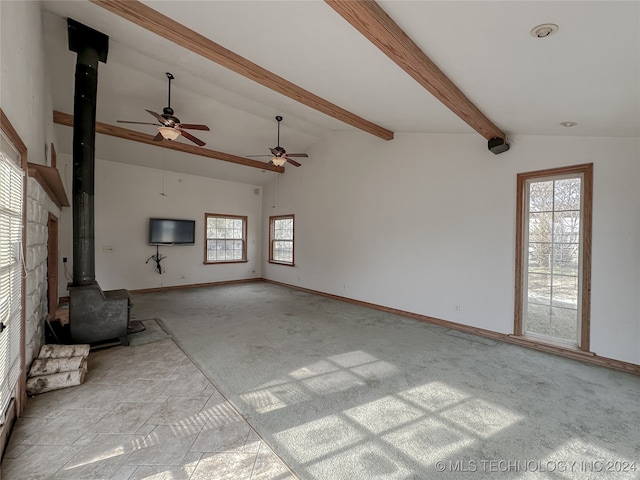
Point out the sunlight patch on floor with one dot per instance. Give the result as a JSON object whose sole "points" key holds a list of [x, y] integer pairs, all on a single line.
{"points": [[428, 440], [322, 437], [366, 460], [105, 455], [353, 359], [274, 398], [433, 396], [384, 414], [332, 382], [222, 410], [314, 369], [332, 375], [481, 417], [394, 434]]}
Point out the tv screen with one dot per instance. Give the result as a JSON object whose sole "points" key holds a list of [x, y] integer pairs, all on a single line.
{"points": [[166, 231]]}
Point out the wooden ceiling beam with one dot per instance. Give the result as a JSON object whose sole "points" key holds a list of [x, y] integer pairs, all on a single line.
{"points": [[104, 128], [372, 21], [152, 20]]}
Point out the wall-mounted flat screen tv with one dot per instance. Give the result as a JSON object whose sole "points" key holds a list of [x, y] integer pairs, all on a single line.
{"points": [[167, 231]]}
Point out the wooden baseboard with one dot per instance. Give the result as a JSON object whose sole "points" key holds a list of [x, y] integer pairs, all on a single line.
{"points": [[139, 291], [193, 285], [587, 357]]}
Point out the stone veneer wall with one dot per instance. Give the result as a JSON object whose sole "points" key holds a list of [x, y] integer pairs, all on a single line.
{"points": [[38, 207]]}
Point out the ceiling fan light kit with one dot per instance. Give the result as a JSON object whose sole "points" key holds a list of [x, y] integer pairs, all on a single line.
{"points": [[278, 161], [168, 133]]}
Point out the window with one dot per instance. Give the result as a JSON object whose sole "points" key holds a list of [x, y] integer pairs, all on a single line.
{"points": [[281, 239], [553, 263], [11, 284], [226, 238]]}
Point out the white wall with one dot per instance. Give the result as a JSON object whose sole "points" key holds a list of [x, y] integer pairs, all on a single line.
{"points": [[426, 222], [126, 196], [24, 85], [25, 99]]}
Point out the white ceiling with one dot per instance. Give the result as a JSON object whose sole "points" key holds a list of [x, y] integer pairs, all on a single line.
{"points": [[589, 72]]}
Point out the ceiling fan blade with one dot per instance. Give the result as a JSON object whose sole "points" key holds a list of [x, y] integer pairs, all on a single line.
{"points": [[138, 123], [195, 140], [304, 155], [160, 118], [158, 137], [250, 156], [191, 126], [292, 162]]}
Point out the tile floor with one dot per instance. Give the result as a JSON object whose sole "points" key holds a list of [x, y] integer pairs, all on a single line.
{"points": [[143, 412]]}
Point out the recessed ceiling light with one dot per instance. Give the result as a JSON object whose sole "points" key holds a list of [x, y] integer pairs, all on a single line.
{"points": [[568, 124], [545, 30]]}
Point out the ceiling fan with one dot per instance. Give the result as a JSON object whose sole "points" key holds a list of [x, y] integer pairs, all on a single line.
{"points": [[170, 126], [279, 155]]}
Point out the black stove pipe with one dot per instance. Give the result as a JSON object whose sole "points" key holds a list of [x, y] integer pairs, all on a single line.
{"points": [[91, 47]]}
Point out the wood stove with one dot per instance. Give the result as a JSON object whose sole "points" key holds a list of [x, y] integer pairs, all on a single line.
{"points": [[94, 315]]}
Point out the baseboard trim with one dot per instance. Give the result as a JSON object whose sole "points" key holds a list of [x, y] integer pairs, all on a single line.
{"points": [[142, 291], [587, 357]]}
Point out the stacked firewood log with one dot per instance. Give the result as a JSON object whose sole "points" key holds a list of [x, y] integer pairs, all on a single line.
{"points": [[57, 366]]}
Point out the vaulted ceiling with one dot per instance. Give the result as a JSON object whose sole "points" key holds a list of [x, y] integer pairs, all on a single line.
{"points": [[588, 72]]}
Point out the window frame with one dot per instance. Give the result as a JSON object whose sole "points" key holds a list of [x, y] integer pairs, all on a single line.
{"points": [[16, 408], [245, 229], [272, 221], [522, 214]]}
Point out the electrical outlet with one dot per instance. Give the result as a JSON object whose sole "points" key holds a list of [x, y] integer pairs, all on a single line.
{"points": [[64, 259], [456, 308], [107, 249]]}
